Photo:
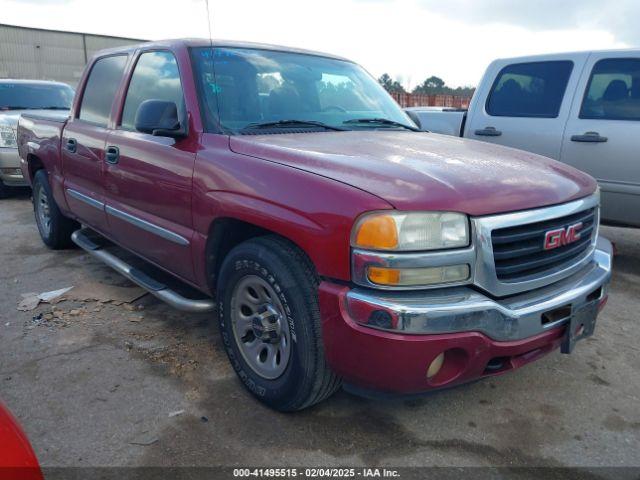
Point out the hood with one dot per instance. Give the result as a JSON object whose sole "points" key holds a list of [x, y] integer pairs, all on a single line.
{"points": [[11, 117], [426, 171]]}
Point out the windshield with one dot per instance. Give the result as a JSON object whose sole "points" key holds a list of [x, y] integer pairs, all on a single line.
{"points": [[261, 86], [20, 96]]}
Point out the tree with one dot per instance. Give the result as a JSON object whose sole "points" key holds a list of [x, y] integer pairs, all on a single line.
{"points": [[390, 85], [435, 85], [431, 86]]}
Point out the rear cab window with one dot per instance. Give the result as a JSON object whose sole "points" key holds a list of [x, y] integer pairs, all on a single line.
{"points": [[101, 88], [533, 89], [156, 77], [613, 91]]}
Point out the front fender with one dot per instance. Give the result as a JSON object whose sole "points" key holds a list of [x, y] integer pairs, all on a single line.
{"points": [[312, 211]]}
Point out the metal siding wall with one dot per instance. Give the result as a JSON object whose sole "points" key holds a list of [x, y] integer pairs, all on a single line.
{"points": [[48, 55], [96, 43]]}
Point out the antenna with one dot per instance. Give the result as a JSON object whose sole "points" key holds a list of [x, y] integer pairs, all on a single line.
{"points": [[216, 116], [206, 2]]}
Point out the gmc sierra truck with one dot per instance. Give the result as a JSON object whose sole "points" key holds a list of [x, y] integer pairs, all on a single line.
{"points": [[580, 108], [340, 243]]}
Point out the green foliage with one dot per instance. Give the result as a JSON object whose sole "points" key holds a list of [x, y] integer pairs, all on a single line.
{"points": [[431, 86], [435, 86], [391, 86]]}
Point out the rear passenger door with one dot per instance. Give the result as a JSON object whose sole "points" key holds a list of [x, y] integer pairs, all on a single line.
{"points": [[148, 179], [526, 105], [603, 132], [83, 142]]}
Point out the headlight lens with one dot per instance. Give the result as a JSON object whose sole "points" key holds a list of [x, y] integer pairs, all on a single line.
{"points": [[414, 231], [8, 137]]}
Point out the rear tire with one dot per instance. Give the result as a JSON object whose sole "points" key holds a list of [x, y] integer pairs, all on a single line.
{"points": [[55, 229], [270, 324], [5, 192]]}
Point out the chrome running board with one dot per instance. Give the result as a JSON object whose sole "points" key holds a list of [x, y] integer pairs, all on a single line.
{"points": [[82, 238]]}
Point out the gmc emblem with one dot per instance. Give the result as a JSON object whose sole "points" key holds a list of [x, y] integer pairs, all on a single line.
{"points": [[562, 236]]}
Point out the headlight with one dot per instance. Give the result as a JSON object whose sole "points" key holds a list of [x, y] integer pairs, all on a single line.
{"points": [[412, 277], [8, 137], [415, 231]]}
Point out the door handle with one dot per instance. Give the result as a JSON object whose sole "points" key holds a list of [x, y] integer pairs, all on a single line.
{"points": [[589, 137], [72, 145], [488, 132], [112, 155]]}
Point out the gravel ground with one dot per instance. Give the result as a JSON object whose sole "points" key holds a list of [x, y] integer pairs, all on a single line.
{"points": [[100, 384]]}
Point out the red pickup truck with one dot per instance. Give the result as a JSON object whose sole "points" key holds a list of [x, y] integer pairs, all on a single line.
{"points": [[341, 244]]}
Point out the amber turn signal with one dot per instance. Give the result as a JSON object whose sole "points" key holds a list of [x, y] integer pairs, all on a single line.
{"points": [[378, 232], [414, 277]]}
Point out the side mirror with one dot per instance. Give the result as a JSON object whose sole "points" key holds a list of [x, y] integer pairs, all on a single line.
{"points": [[159, 118], [415, 119]]}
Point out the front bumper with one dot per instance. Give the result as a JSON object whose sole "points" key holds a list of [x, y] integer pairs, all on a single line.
{"points": [[479, 335], [10, 171]]}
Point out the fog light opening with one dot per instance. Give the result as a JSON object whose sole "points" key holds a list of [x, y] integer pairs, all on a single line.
{"points": [[447, 367], [595, 295], [381, 319], [435, 366]]}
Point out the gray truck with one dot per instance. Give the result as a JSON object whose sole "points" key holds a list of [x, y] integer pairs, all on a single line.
{"points": [[16, 98], [580, 108]]}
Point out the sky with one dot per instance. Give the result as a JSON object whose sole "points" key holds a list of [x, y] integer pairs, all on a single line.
{"points": [[409, 39]]}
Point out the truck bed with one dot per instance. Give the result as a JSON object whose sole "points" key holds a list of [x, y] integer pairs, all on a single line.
{"points": [[40, 135]]}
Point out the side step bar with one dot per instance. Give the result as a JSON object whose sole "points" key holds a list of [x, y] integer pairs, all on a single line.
{"points": [[158, 289]]}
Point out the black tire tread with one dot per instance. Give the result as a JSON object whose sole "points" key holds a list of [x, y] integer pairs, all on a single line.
{"points": [[327, 383], [61, 227], [5, 192], [300, 268]]}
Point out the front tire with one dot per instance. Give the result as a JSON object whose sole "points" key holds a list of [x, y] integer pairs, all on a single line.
{"points": [[55, 229], [270, 324]]}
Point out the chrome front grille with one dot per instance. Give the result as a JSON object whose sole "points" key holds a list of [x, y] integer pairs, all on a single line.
{"points": [[510, 254], [519, 251]]}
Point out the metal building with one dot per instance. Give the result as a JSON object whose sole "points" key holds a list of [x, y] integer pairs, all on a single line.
{"points": [[35, 53]]}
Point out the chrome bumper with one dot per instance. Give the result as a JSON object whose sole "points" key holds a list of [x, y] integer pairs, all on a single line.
{"points": [[10, 172], [463, 309]]}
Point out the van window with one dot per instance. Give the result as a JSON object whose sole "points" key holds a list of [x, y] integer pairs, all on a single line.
{"points": [[101, 89], [156, 77], [613, 92], [529, 89]]}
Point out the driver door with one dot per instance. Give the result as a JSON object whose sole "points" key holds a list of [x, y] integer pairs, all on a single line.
{"points": [[148, 179]]}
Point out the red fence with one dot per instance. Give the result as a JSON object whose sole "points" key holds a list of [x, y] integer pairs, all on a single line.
{"points": [[420, 100]]}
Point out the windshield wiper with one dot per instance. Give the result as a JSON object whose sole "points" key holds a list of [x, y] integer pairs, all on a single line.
{"points": [[381, 121], [52, 107], [13, 107], [292, 124]]}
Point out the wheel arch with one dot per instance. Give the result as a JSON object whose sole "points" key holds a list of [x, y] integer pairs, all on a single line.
{"points": [[34, 163], [225, 233]]}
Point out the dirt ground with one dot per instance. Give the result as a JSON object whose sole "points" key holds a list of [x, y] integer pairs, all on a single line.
{"points": [[101, 384]]}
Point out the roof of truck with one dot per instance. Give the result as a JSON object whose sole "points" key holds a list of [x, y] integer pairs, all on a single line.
{"points": [[30, 82], [559, 55], [205, 42]]}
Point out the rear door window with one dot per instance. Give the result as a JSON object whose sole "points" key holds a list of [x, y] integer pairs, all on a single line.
{"points": [[529, 89], [613, 92], [101, 88], [156, 77]]}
